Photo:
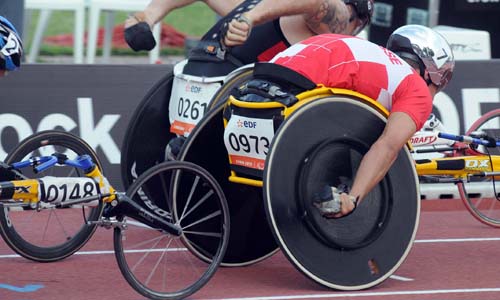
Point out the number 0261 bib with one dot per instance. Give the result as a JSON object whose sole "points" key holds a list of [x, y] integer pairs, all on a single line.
{"points": [[188, 103], [247, 140]]}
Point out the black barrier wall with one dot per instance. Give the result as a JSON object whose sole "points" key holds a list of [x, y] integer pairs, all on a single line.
{"points": [[97, 101], [92, 101], [473, 14]]}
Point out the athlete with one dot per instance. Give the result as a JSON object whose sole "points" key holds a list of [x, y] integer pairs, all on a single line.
{"points": [[11, 48], [417, 64], [249, 31], [261, 28]]}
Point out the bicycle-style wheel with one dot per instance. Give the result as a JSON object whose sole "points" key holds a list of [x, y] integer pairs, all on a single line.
{"points": [[488, 123], [157, 264], [49, 233], [481, 195]]}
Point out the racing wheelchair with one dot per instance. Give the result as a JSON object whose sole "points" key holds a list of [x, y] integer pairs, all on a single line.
{"points": [[273, 145]]}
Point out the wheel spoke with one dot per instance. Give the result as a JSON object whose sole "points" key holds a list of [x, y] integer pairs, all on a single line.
{"points": [[139, 262], [201, 201], [208, 217], [193, 187], [202, 233], [153, 271]]}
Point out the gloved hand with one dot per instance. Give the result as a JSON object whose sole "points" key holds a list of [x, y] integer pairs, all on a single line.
{"points": [[334, 203], [139, 36]]}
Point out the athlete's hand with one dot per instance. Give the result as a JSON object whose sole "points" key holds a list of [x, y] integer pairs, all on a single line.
{"points": [[238, 31], [348, 204], [135, 18]]}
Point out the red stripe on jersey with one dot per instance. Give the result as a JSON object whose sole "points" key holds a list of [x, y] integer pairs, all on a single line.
{"points": [[271, 52], [358, 65]]}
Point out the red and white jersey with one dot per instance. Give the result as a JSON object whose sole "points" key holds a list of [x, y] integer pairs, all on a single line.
{"points": [[359, 65]]}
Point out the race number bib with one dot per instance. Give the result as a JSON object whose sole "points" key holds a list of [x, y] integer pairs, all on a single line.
{"points": [[188, 103], [247, 140], [56, 190]]}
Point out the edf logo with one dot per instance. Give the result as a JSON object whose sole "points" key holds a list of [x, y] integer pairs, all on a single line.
{"points": [[250, 124], [246, 124], [193, 88]]}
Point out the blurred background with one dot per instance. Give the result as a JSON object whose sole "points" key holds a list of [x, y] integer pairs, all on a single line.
{"points": [[59, 31]]}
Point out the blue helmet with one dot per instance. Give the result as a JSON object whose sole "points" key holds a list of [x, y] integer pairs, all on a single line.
{"points": [[11, 47]]}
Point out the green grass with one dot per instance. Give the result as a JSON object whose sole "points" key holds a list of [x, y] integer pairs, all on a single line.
{"points": [[193, 20]]}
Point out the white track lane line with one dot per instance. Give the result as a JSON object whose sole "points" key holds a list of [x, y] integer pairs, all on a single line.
{"points": [[458, 240], [435, 241], [366, 294]]}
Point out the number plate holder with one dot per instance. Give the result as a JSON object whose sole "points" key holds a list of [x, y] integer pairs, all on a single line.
{"points": [[189, 100], [56, 190], [247, 136]]}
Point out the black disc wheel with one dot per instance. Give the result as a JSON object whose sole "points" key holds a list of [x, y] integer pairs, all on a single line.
{"points": [[49, 233], [322, 144], [251, 238], [157, 264], [147, 133]]}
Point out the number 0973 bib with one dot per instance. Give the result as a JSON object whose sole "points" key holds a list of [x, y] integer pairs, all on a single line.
{"points": [[189, 99], [247, 136]]}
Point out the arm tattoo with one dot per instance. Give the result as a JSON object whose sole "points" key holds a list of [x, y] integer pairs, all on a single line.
{"points": [[327, 14]]}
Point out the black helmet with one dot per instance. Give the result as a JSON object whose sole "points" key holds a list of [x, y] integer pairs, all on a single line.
{"points": [[364, 11], [426, 47]]}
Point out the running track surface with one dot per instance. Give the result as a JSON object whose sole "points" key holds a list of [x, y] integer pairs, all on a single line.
{"points": [[454, 257]]}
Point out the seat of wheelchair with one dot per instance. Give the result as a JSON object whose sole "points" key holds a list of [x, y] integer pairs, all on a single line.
{"points": [[288, 79], [274, 83]]}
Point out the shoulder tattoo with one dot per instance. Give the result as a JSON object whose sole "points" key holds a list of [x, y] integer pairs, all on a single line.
{"points": [[327, 14]]}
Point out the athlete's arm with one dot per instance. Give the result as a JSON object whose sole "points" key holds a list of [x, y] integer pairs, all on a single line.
{"points": [[158, 9], [318, 14], [222, 7], [377, 161]]}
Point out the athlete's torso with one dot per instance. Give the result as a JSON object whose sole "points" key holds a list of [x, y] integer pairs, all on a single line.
{"points": [[264, 42], [356, 64]]}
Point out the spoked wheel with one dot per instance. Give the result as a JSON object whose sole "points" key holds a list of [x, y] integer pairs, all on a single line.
{"points": [[357, 251], [488, 123], [49, 233], [481, 195], [159, 265]]}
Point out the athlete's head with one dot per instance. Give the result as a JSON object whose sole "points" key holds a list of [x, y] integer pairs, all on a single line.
{"points": [[361, 14], [11, 48], [426, 50]]}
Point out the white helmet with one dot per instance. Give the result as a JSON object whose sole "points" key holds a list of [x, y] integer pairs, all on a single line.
{"points": [[426, 47]]}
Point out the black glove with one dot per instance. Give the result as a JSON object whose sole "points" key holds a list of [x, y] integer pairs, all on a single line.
{"points": [[139, 37]]}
